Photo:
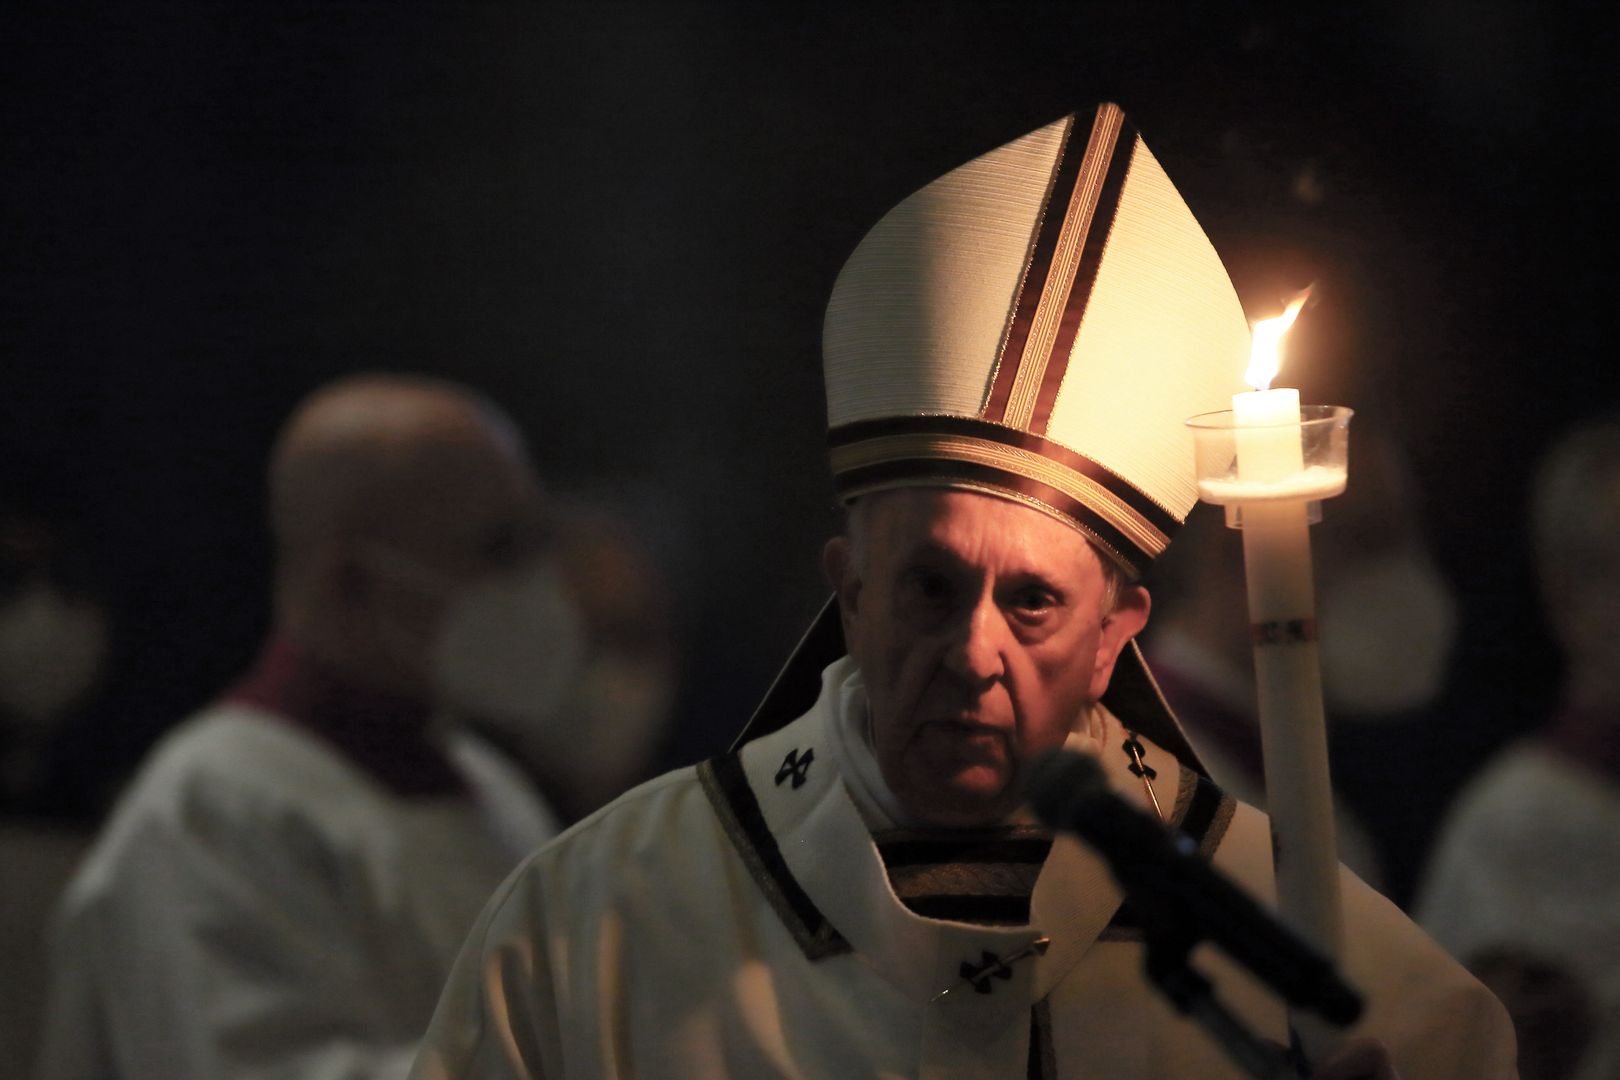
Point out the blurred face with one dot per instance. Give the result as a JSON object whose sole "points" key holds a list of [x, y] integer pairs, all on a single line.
{"points": [[979, 629], [469, 510], [475, 510]]}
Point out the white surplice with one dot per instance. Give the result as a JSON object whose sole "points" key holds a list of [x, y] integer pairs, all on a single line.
{"points": [[1528, 867], [258, 907]]}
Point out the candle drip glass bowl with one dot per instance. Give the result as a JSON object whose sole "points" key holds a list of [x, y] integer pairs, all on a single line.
{"points": [[1324, 434]]}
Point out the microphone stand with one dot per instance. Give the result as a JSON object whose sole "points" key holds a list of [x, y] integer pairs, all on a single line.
{"points": [[1169, 941], [1180, 900]]}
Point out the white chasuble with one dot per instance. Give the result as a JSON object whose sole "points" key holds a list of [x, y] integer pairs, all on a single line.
{"points": [[735, 920]]}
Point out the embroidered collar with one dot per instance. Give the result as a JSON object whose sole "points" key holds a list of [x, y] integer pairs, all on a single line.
{"points": [[980, 876], [786, 806], [383, 735]]}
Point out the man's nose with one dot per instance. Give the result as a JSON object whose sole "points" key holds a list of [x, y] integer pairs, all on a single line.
{"points": [[975, 651]]}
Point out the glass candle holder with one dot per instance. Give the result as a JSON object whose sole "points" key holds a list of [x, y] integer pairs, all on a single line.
{"points": [[1219, 444]]}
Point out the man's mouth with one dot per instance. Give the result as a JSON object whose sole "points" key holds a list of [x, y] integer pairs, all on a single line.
{"points": [[965, 726]]}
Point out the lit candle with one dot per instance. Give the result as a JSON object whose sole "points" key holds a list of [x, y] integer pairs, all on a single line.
{"points": [[1288, 681], [1268, 444]]}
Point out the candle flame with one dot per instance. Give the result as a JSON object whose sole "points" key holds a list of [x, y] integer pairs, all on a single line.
{"points": [[1265, 354]]}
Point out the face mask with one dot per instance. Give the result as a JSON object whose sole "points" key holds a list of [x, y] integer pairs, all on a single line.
{"points": [[1388, 624], [505, 644], [51, 651], [509, 645]]}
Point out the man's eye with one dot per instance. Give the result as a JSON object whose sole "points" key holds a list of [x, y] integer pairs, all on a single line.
{"points": [[1033, 600], [930, 586]]}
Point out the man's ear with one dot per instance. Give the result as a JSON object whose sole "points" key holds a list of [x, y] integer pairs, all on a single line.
{"points": [[838, 564], [1119, 626]]}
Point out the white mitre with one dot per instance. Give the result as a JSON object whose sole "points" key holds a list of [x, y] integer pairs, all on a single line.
{"points": [[1038, 324]]}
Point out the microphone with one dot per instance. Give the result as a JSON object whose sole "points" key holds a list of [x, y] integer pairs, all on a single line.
{"points": [[1179, 893]]}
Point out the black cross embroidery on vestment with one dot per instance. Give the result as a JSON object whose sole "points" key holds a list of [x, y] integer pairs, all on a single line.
{"points": [[990, 966], [795, 766], [1134, 750]]}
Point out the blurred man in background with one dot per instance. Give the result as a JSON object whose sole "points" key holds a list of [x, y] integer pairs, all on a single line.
{"points": [[1524, 884], [282, 887]]}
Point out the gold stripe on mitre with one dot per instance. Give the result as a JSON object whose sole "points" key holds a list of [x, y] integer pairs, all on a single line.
{"points": [[1133, 527], [1035, 313], [1075, 216]]}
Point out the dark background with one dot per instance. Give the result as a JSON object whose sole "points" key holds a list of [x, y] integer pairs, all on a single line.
{"points": [[623, 222]]}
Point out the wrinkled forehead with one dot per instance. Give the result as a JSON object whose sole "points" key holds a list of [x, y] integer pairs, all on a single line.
{"points": [[908, 522]]}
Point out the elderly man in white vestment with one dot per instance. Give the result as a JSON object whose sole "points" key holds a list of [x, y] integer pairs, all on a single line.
{"points": [[282, 888], [860, 892]]}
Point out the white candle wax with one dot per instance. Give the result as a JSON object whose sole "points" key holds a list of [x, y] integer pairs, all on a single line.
{"points": [[1268, 435], [1314, 483], [1282, 614]]}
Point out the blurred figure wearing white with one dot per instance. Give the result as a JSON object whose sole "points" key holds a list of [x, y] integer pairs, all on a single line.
{"points": [[281, 889], [1524, 883]]}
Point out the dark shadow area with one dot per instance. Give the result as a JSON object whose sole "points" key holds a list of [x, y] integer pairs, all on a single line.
{"points": [[623, 221]]}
